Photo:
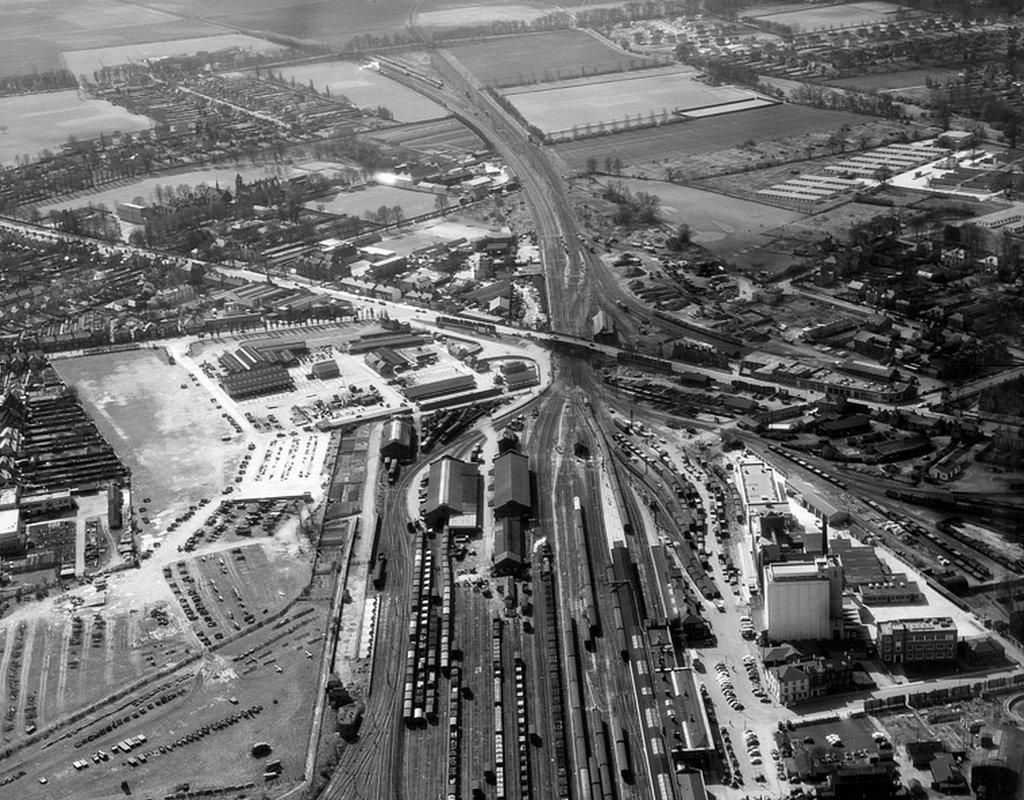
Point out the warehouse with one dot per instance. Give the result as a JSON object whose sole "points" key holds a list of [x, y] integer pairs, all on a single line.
{"points": [[513, 496], [397, 441], [261, 380], [509, 546], [453, 494], [425, 391], [395, 341], [324, 370]]}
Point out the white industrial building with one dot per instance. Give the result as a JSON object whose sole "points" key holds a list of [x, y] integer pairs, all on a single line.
{"points": [[801, 599]]}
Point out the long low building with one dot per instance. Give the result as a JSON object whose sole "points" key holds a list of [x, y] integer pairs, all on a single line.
{"points": [[425, 391], [510, 554], [262, 379]]}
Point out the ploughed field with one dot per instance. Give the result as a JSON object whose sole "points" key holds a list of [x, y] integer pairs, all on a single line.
{"points": [[544, 57], [34, 33]]}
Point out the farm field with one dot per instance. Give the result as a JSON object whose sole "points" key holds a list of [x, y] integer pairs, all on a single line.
{"points": [[159, 429], [567, 104], [357, 203], [543, 57], [36, 32], [31, 123], [846, 15], [85, 62], [443, 136], [366, 88], [672, 143], [328, 22], [914, 78]]}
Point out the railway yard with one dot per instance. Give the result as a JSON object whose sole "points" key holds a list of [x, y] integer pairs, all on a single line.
{"points": [[562, 432]]}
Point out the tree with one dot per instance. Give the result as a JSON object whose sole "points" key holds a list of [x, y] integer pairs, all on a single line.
{"points": [[883, 175], [591, 166], [397, 214], [680, 239]]}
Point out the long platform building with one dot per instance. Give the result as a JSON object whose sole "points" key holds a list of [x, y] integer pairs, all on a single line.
{"points": [[454, 495]]}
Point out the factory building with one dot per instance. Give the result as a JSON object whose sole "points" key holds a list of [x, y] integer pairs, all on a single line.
{"points": [[513, 494], [398, 441], [801, 599], [910, 641], [453, 495]]}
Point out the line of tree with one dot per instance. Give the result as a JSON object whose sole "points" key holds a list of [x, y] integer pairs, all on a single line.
{"points": [[49, 81]]}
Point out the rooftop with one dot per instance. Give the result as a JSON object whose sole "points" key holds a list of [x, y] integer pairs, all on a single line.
{"points": [[794, 572], [759, 484], [922, 624]]}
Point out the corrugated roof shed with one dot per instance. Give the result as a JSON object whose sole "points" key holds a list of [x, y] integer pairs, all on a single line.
{"points": [[512, 495], [453, 489], [509, 545]]}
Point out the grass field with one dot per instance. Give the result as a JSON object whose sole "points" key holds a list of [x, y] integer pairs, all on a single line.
{"points": [[818, 17], [705, 135], [712, 217], [563, 105], [357, 203], [36, 32], [144, 188], [85, 62], [161, 431], [32, 123], [366, 88], [913, 78], [549, 56]]}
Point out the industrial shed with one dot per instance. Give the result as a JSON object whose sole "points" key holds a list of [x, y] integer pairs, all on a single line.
{"points": [[509, 546], [999, 773], [258, 381], [325, 369], [425, 391], [513, 495], [453, 493], [397, 441]]}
